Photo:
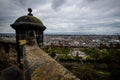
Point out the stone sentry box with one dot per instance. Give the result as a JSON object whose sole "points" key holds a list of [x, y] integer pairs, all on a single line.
{"points": [[29, 30]]}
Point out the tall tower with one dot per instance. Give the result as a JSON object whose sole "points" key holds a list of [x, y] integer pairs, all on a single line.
{"points": [[29, 30]]}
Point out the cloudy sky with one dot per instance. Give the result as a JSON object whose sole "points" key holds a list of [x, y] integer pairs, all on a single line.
{"points": [[65, 16]]}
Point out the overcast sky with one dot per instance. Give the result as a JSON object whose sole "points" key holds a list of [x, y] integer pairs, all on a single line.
{"points": [[79, 16]]}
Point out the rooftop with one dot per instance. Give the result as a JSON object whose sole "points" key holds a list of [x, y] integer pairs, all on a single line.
{"points": [[28, 20]]}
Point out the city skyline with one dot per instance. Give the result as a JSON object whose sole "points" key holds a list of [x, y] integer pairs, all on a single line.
{"points": [[65, 16]]}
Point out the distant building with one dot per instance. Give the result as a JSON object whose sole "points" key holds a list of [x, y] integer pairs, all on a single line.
{"points": [[77, 53]]}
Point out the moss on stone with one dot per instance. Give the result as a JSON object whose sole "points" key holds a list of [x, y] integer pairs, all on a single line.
{"points": [[29, 19]]}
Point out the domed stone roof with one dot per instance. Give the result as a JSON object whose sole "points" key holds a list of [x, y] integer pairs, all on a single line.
{"points": [[28, 20]]}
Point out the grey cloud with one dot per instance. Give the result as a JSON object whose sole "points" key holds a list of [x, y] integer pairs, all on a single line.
{"points": [[57, 3], [90, 16], [101, 7], [29, 3]]}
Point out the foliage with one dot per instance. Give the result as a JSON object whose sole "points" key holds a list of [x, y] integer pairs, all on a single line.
{"points": [[64, 51], [85, 72], [102, 75], [101, 63]]}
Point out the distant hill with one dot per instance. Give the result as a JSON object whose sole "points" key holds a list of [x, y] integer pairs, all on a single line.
{"points": [[7, 34], [58, 33]]}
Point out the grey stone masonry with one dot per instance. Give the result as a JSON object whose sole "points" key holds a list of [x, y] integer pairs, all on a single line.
{"points": [[38, 65]]}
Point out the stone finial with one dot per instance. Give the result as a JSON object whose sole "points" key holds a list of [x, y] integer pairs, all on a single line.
{"points": [[30, 10]]}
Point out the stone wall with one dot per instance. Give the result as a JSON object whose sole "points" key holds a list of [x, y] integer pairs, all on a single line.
{"points": [[40, 66], [37, 65], [8, 52]]}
